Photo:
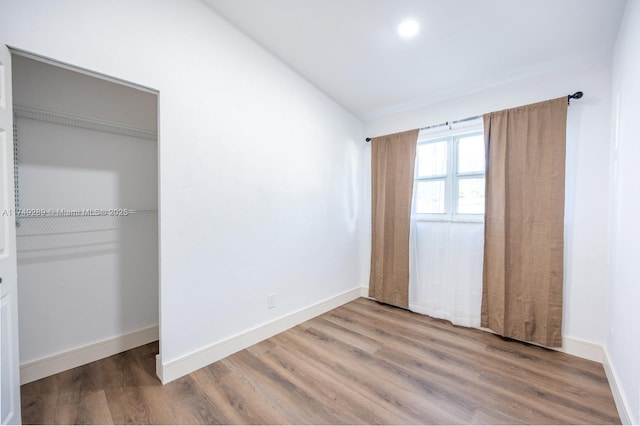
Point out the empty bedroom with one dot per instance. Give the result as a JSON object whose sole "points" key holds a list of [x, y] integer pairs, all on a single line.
{"points": [[319, 211]]}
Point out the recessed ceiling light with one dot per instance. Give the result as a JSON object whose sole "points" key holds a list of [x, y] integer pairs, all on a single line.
{"points": [[408, 29]]}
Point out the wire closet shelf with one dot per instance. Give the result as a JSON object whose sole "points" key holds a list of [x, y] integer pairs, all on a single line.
{"points": [[72, 221]]}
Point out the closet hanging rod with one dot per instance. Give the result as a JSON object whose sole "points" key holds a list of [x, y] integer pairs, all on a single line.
{"points": [[576, 95], [58, 213]]}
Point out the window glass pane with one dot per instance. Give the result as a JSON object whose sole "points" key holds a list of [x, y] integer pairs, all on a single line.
{"points": [[432, 159], [471, 196], [430, 196], [471, 154]]}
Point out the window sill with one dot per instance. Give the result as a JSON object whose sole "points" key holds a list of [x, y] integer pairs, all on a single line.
{"points": [[455, 219]]}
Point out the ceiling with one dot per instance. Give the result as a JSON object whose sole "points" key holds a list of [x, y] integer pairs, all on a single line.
{"points": [[350, 48]]}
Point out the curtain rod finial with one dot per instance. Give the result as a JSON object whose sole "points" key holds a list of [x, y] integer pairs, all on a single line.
{"points": [[576, 95], [368, 139]]}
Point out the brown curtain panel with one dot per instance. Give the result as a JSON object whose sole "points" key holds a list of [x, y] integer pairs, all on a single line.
{"points": [[392, 165], [524, 224]]}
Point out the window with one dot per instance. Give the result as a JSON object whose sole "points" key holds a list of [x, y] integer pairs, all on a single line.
{"points": [[449, 179]]}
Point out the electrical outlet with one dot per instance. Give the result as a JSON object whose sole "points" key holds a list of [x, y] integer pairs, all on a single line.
{"points": [[271, 300]]}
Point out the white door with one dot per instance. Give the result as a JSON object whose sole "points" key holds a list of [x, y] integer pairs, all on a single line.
{"points": [[9, 361]]}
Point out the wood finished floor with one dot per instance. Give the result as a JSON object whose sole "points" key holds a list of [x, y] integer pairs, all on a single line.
{"points": [[362, 363]]}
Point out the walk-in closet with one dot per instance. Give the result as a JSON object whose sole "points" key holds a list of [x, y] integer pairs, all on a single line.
{"points": [[86, 157]]}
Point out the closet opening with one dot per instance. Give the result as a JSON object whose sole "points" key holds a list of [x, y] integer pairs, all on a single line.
{"points": [[86, 192]]}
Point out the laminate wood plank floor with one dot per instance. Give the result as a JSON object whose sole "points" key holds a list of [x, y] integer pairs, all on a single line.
{"points": [[362, 363]]}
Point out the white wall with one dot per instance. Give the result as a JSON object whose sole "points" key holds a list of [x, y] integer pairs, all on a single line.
{"points": [[258, 169], [585, 307], [623, 337], [84, 279]]}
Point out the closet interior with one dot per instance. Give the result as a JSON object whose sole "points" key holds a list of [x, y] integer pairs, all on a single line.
{"points": [[86, 157]]}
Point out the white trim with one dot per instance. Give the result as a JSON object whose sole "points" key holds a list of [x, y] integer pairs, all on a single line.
{"points": [[54, 364], [83, 122], [364, 292], [570, 346], [80, 70], [582, 349], [175, 369], [619, 396], [457, 218], [159, 367]]}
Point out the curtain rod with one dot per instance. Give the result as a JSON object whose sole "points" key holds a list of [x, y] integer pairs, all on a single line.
{"points": [[576, 95]]}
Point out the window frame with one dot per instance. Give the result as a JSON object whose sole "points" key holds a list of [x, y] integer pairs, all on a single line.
{"points": [[452, 178]]}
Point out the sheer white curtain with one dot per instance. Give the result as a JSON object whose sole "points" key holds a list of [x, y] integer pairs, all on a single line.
{"points": [[445, 278], [445, 246]]}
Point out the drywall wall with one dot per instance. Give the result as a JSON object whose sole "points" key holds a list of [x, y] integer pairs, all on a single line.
{"points": [[84, 280], [623, 334], [585, 307], [258, 169]]}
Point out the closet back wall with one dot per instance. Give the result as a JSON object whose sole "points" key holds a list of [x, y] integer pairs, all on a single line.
{"points": [[84, 280]]}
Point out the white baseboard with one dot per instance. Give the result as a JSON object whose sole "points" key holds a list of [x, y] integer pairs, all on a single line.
{"points": [[67, 360], [159, 368], [364, 292], [571, 346], [618, 394], [582, 349], [173, 370]]}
